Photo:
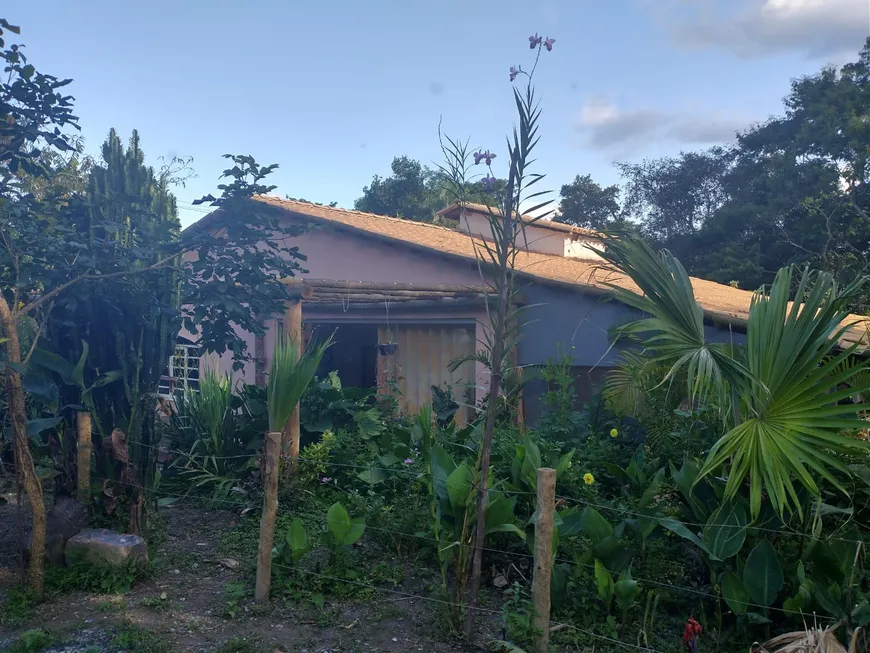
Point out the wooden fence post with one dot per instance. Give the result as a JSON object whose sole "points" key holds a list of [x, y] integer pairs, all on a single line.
{"points": [[272, 453], [293, 328], [83, 456], [543, 557]]}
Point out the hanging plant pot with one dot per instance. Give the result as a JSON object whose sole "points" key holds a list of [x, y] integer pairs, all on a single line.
{"points": [[388, 348]]}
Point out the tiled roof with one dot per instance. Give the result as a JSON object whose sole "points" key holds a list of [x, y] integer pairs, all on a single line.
{"points": [[453, 210], [721, 303]]}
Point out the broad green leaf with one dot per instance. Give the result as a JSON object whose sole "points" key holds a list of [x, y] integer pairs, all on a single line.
{"points": [[626, 590], [734, 593], [500, 511], [372, 476], [297, 540], [356, 530], [571, 522], [678, 528], [725, 531], [762, 574], [442, 466], [338, 521], [594, 525], [459, 486], [604, 581]]}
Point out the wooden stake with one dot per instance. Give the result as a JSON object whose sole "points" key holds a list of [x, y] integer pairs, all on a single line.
{"points": [[293, 328], [83, 456], [272, 452], [543, 557]]}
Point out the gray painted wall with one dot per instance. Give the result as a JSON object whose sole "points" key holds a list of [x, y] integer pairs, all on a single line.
{"points": [[555, 320]]}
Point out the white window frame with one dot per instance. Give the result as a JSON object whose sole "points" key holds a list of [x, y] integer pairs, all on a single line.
{"points": [[178, 377]]}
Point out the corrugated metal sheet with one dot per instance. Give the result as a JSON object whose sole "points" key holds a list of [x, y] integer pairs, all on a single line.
{"points": [[424, 354]]}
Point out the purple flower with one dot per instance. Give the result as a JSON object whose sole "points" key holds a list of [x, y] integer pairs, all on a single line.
{"points": [[483, 156], [409, 461], [325, 479], [548, 43], [514, 72], [488, 182], [534, 41]]}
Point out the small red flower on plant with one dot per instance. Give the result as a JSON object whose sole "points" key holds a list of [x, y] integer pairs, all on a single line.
{"points": [[691, 633]]}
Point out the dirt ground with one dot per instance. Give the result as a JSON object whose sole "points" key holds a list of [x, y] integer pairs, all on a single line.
{"points": [[184, 604]]}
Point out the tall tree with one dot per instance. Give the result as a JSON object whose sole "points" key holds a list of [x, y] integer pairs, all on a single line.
{"points": [[586, 203], [55, 242], [416, 192], [127, 325], [675, 196], [408, 193]]}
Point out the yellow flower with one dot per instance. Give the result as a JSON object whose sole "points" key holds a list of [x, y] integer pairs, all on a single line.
{"points": [[613, 433], [588, 478]]}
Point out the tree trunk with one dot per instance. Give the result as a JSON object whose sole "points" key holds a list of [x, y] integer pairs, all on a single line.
{"points": [[18, 420]]}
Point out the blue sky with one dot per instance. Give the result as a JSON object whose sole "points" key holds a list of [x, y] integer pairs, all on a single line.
{"points": [[332, 91]]}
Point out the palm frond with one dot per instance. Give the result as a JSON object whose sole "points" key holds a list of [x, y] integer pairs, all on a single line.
{"points": [[794, 425], [289, 376], [674, 333]]}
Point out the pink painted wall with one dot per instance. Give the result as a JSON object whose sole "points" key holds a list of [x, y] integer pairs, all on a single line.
{"points": [[337, 255]]}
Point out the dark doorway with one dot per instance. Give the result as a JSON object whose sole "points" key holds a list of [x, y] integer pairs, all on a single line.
{"points": [[353, 354]]}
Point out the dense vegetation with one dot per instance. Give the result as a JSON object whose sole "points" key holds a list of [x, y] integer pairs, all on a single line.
{"points": [[710, 491]]}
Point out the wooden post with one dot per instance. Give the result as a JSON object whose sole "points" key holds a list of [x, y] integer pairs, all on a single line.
{"points": [[271, 452], [83, 456], [543, 557], [293, 331]]}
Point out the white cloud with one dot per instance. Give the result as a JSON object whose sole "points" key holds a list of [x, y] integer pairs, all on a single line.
{"points": [[754, 28], [606, 126]]}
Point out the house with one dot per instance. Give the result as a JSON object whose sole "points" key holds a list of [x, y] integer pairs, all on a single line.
{"points": [[404, 299]]}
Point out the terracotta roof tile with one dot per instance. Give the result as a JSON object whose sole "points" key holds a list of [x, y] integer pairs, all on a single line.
{"points": [[720, 302]]}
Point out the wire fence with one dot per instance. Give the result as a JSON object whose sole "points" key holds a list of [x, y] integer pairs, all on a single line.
{"points": [[514, 554], [415, 476]]}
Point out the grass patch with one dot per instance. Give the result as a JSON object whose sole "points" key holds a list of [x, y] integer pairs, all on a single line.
{"points": [[32, 641], [240, 645], [16, 609], [134, 639]]}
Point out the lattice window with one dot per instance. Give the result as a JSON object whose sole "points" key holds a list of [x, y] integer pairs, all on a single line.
{"points": [[182, 371]]}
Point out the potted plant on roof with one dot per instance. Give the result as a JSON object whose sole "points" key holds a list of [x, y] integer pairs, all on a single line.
{"points": [[289, 376]]}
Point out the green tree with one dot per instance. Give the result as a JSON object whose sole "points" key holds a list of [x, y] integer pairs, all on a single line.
{"points": [[416, 192], [408, 193], [792, 190], [585, 203], [57, 240], [128, 324]]}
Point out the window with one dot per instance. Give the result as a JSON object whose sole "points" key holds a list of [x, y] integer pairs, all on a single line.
{"points": [[182, 372]]}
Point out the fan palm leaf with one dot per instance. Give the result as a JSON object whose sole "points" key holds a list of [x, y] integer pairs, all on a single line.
{"points": [[795, 417], [674, 331], [790, 426]]}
